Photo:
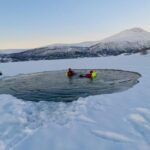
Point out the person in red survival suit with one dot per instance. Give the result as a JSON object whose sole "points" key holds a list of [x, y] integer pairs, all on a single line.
{"points": [[70, 73], [89, 75]]}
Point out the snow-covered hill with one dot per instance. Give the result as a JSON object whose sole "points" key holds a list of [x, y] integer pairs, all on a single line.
{"points": [[130, 35], [126, 42], [81, 44], [131, 40]]}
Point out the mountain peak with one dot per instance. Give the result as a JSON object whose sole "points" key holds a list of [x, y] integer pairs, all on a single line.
{"points": [[136, 29], [133, 34]]}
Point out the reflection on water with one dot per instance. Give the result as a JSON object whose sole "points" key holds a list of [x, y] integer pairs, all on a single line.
{"points": [[55, 86]]}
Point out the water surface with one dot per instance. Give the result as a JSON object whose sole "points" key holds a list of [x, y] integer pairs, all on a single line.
{"points": [[55, 86]]}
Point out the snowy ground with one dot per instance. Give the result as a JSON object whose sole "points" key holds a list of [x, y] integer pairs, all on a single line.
{"points": [[107, 122]]}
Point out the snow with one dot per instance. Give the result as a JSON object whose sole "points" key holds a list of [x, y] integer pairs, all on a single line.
{"points": [[111, 136], [137, 118], [134, 34], [109, 122], [131, 39], [81, 44]]}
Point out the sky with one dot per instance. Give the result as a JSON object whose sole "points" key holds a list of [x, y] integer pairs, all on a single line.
{"points": [[35, 23]]}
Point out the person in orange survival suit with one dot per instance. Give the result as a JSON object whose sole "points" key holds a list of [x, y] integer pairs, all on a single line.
{"points": [[70, 73]]}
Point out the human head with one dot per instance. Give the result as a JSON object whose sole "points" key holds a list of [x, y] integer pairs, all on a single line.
{"points": [[91, 71]]}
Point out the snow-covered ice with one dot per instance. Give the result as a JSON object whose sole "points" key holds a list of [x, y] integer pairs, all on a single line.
{"points": [[107, 122]]}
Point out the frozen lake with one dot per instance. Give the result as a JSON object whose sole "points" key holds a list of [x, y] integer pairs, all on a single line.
{"points": [[55, 86]]}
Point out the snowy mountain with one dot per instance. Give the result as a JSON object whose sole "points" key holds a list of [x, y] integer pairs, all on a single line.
{"points": [[130, 35], [126, 42]]}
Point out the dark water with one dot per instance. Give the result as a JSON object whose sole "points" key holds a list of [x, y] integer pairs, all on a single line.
{"points": [[55, 86]]}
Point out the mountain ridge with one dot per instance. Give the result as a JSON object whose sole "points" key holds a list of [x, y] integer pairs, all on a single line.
{"points": [[129, 41]]}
